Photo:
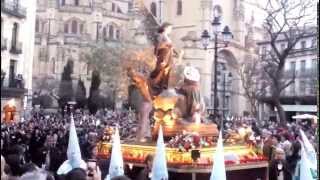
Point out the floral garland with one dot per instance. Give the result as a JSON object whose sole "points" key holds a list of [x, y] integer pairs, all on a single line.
{"points": [[188, 141]]}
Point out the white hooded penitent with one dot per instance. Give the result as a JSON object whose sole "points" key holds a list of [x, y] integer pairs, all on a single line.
{"points": [[73, 152]]}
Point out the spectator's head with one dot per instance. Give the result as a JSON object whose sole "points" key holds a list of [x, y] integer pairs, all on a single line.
{"points": [[149, 160], [120, 178], [76, 174], [279, 154], [295, 148], [37, 175], [275, 139]]}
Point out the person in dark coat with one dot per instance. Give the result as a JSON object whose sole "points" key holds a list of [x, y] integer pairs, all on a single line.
{"points": [[278, 167], [146, 172]]}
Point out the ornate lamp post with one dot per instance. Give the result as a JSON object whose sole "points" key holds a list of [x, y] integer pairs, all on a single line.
{"points": [[206, 38]]}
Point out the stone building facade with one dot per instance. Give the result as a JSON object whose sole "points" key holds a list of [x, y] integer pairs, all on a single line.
{"points": [[66, 27], [17, 46]]}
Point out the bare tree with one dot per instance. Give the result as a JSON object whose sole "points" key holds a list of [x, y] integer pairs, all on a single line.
{"points": [[249, 73], [289, 21]]}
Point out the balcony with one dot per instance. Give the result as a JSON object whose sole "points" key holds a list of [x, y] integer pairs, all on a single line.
{"points": [[13, 9], [75, 9], [308, 73], [16, 49], [4, 43], [12, 88]]}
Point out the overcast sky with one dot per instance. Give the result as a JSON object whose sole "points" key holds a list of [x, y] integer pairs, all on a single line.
{"points": [[251, 8]]}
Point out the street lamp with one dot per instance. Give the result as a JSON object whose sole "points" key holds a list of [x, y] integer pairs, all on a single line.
{"points": [[206, 38]]}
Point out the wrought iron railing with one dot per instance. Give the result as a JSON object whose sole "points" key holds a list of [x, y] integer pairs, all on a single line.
{"points": [[13, 9]]}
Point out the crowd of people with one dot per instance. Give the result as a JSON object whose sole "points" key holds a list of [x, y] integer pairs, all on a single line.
{"points": [[39, 145], [279, 144], [42, 141]]}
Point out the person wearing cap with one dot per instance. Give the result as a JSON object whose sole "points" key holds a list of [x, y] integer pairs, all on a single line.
{"points": [[190, 89]]}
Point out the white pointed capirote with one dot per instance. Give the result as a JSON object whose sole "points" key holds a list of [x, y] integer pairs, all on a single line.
{"points": [[73, 152], [309, 150], [218, 170], [159, 166], [116, 161], [306, 171]]}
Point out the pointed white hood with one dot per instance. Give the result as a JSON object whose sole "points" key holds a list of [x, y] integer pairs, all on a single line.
{"points": [[116, 161], [159, 166], [73, 152]]}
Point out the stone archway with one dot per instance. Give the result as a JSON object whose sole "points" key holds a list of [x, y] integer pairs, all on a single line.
{"points": [[228, 85]]}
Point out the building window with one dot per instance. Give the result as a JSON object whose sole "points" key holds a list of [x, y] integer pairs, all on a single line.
{"points": [[66, 28], [1, 27], [293, 66], [303, 66], [14, 35], [74, 27], [292, 88], [104, 32], [111, 29], [118, 34], [119, 10], [53, 65], [43, 24], [303, 44], [179, 7], [113, 7], [81, 28], [313, 42], [37, 25], [12, 72], [153, 8], [63, 2], [302, 87], [76, 2]]}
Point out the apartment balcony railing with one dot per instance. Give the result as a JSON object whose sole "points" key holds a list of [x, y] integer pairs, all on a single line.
{"points": [[13, 88], [16, 49], [4, 43], [307, 73], [13, 9]]}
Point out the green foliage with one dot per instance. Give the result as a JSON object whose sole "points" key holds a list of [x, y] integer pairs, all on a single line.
{"points": [[81, 95], [94, 100], [66, 90]]}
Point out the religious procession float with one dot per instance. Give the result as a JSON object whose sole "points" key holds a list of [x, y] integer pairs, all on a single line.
{"points": [[189, 137]]}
